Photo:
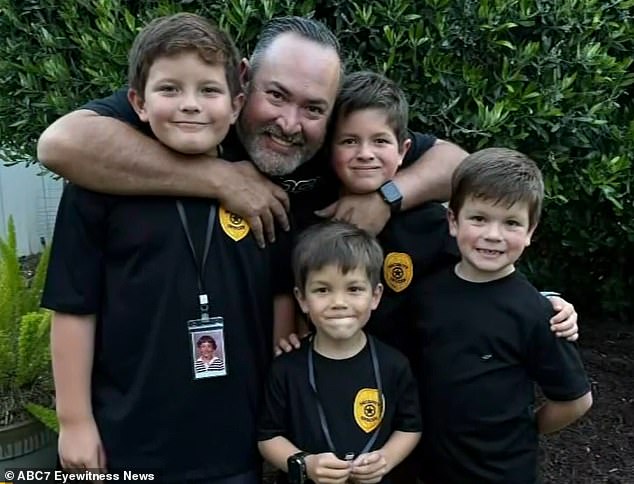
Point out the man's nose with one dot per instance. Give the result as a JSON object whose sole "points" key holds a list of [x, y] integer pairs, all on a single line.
{"points": [[289, 120]]}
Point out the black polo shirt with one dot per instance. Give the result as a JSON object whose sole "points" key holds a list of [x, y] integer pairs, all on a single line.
{"points": [[482, 347], [290, 405], [312, 186], [127, 260]]}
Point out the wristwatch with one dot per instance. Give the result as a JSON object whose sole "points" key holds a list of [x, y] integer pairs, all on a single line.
{"points": [[391, 195], [297, 468]]}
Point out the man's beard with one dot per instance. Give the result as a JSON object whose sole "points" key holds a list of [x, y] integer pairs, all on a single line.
{"points": [[269, 161]]}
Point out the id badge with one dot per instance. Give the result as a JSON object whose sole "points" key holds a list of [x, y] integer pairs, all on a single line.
{"points": [[207, 341]]}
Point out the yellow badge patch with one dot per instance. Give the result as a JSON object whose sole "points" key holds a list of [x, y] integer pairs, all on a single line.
{"points": [[398, 270], [367, 413], [233, 225]]}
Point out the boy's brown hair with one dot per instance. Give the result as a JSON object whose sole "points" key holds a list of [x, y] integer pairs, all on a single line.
{"points": [[368, 90], [182, 32], [501, 175], [336, 243]]}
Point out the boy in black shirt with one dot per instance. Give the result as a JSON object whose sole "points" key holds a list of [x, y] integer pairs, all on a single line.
{"points": [[484, 336], [344, 405], [137, 282], [368, 144]]}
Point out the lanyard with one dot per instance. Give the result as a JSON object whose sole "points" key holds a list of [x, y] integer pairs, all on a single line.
{"points": [[200, 267], [320, 408]]}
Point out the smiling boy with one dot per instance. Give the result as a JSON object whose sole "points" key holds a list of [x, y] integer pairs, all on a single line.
{"points": [[344, 406], [136, 282], [484, 337]]}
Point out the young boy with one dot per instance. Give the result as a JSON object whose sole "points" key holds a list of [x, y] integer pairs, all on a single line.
{"points": [[484, 336], [344, 406], [136, 282]]}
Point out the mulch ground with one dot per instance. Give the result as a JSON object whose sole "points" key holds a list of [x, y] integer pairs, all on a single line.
{"points": [[600, 447]]}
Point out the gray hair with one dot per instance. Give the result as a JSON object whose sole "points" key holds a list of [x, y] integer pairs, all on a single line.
{"points": [[307, 28]]}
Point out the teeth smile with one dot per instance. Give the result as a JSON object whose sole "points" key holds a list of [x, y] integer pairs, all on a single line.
{"points": [[490, 252], [281, 141]]}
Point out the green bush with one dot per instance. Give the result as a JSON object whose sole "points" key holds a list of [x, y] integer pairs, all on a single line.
{"points": [[549, 77], [25, 361]]}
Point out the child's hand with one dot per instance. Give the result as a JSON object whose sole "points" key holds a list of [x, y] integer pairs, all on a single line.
{"points": [[369, 468], [80, 446], [286, 345], [326, 468]]}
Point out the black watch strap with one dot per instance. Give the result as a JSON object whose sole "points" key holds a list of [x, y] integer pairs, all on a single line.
{"points": [[297, 468], [391, 195]]}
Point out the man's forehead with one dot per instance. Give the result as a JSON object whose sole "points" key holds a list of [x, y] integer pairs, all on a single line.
{"points": [[294, 62]]}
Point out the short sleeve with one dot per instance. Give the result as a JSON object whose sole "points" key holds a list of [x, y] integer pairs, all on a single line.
{"points": [[281, 272], [272, 422], [407, 417], [554, 363], [117, 106], [75, 270], [421, 142]]}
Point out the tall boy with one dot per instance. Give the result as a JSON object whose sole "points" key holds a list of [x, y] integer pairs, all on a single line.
{"points": [[484, 335], [135, 282], [344, 406]]}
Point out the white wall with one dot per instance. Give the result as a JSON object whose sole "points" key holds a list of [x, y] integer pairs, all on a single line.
{"points": [[32, 201]]}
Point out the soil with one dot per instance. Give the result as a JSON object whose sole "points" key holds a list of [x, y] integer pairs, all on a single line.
{"points": [[600, 447]]}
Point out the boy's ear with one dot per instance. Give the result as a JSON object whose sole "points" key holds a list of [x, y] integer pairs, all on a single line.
{"points": [[404, 149], [237, 104], [245, 73], [453, 222], [376, 296], [407, 144], [300, 299], [138, 104], [529, 235]]}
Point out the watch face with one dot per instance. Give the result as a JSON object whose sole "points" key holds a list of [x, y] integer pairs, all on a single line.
{"points": [[390, 192]]}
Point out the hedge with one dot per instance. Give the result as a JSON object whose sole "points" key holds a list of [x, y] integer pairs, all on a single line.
{"points": [[552, 78]]}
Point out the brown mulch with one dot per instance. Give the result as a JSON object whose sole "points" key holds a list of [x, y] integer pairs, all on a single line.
{"points": [[600, 447]]}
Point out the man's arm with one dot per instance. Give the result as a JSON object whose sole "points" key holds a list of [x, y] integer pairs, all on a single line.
{"points": [[107, 155], [429, 177]]}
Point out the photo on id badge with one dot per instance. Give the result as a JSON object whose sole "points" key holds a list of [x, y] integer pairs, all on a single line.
{"points": [[208, 348]]}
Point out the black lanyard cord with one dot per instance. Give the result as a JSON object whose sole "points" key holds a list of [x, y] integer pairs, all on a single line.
{"points": [[320, 408], [200, 267]]}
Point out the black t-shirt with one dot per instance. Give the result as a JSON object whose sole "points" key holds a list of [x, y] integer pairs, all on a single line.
{"points": [[416, 243], [345, 387], [482, 347], [312, 186], [127, 260]]}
